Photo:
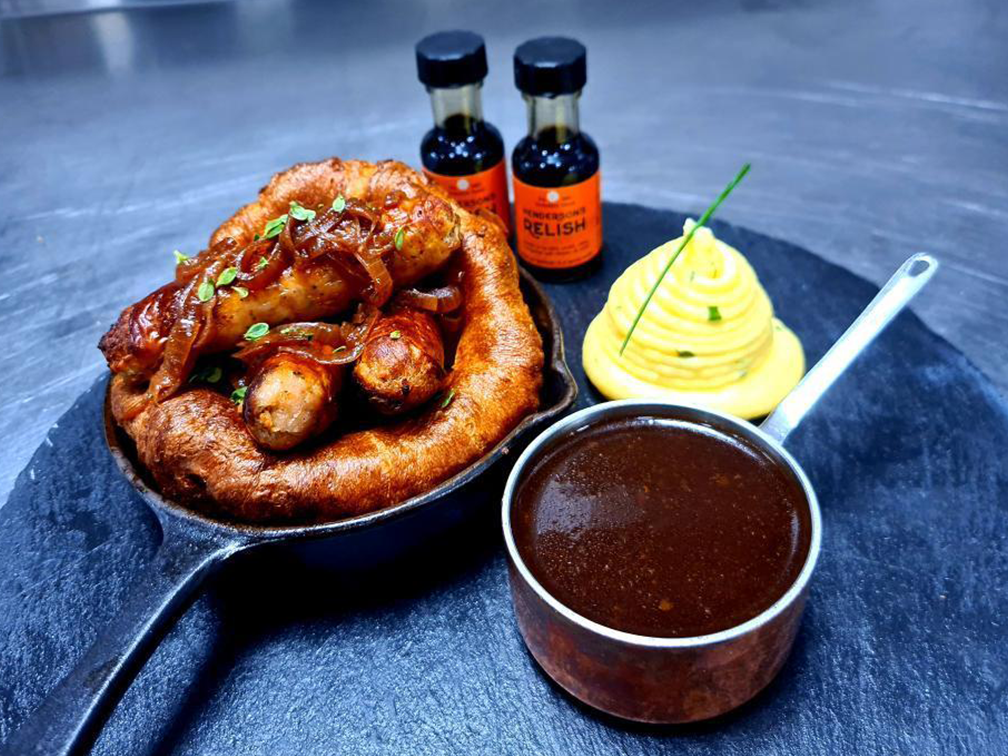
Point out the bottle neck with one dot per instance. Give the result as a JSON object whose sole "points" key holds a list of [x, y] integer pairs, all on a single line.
{"points": [[549, 116], [457, 108]]}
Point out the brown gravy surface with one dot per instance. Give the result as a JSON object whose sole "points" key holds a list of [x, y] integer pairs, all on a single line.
{"points": [[661, 527]]}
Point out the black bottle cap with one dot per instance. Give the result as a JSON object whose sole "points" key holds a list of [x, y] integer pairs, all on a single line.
{"points": [[451, 59], [550, 66]]}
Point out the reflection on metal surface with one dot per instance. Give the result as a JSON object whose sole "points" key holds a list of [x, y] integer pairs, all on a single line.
{"points": [[25, 8], [115, 41]]}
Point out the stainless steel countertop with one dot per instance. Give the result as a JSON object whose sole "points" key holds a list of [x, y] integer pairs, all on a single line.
{"points": [[876, 129]]}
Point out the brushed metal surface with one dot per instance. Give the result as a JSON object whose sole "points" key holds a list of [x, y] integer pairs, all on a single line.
{"points": [[875, 131]]}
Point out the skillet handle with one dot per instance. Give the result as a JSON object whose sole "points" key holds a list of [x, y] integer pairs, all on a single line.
{"points": [[887, 304], [71, 714]]}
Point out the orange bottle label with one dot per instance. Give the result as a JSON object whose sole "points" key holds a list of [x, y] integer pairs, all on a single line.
{"points": [[485, 190], [558, 227]]}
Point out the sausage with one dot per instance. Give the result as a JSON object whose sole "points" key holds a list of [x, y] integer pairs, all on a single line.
{"points": [[178, 315], [402, 365], [199, 452], [290, 399]]}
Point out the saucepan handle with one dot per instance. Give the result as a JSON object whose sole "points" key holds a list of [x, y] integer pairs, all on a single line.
{"points": [[894, 296], [67, 719]]}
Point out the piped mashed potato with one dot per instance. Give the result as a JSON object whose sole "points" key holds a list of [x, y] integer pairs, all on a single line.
{"points": [[708, 337]]}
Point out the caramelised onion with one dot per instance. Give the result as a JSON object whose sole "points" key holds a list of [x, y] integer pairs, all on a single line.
{"points": [[226, 249], [352, 234], [191, 329], [324, 343], [443, 299], [252, 273], [353, 240], [380, 288]]}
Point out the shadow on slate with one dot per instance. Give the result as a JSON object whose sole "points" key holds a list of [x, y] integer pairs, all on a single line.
{"points": [[901, 649]]}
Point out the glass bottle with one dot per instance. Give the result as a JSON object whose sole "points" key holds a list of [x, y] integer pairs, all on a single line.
{"points": [[463, 153], [558, 210]]}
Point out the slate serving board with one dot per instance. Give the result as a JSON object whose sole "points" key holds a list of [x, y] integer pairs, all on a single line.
{"points": [[902, 649]]}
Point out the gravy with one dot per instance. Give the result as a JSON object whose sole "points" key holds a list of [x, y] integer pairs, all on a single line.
{"points": [[661, 527]]}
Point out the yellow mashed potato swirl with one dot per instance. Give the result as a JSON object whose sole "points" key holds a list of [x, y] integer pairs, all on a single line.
{"points": [[743, 363]]}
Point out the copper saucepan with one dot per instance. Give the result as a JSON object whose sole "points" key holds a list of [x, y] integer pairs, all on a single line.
{"points": [[669, 680]]}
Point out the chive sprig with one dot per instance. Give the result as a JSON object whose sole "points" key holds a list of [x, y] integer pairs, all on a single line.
{"points": [[682, 245]]}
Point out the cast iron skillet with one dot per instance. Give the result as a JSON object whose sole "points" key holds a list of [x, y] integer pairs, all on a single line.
{"points": [[194, 545]]}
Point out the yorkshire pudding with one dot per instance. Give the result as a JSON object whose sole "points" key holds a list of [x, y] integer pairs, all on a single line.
{"points": [[192, 438]]}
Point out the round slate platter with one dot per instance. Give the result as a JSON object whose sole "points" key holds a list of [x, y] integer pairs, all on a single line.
{"points": [[902, 648]]}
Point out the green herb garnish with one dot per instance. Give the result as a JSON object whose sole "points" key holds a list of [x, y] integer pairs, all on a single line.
{"points": [[685, 353], [205, 291], [228, 275], [338, 204], [241, 291], [256, 237], [395, 335], [209, 374], [448, 398], [400, 236], [263, 262], [682, 245], [274, 227], [238, 395], [256, 331], [713, 313], [301, 213], [179, 257]]}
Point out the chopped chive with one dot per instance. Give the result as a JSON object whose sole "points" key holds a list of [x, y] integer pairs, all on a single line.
{"points": [[713, 313], [682, 245], [448, 398]]}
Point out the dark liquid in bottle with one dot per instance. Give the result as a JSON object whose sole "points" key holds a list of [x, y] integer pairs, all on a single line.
{"points": [[462, 147], [549, 159], [662, 527]]}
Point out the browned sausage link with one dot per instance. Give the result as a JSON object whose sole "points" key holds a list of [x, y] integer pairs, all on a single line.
{"points": [[290, 399], [402, 365]]}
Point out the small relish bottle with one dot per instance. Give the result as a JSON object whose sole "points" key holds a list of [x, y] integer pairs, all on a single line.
{"points": [[557, 195], [463, 153]]}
